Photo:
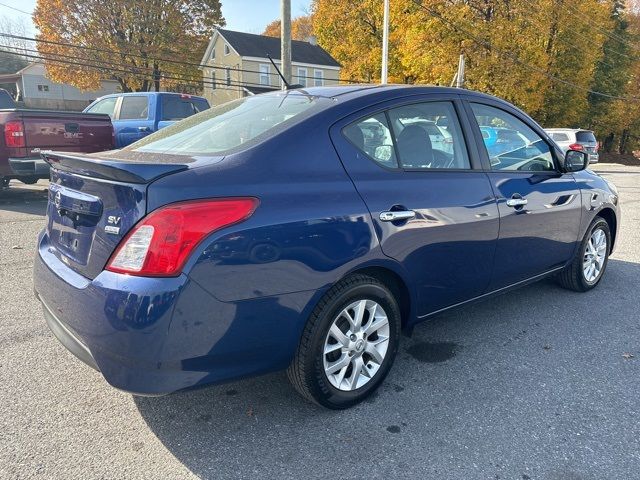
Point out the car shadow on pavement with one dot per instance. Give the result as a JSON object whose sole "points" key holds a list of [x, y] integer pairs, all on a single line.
{"points": [[21, 198], [461, 386]]}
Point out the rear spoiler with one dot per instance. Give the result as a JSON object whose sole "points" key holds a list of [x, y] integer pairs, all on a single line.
{"points": [[116, 170]]}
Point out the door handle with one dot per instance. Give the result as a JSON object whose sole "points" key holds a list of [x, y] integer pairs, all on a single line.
{"points": [[143, 129], [396, 216], [516, 202]]}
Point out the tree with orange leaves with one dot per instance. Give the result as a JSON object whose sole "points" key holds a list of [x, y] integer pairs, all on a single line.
{"points": [[301, 28], [85, 41]]}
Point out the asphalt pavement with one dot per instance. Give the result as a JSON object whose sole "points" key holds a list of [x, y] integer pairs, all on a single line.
{"points": [[539, 383]]}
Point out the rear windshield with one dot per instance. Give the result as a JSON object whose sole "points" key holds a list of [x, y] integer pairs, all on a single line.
{"points": [[175, 107], [229, 126], [585, 137], [5, 100]]}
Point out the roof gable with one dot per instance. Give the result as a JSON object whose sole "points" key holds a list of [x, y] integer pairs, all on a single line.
{"points": [[250, 45]]}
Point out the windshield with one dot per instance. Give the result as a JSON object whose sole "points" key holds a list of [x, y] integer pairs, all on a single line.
{"points": [[229, 126]]}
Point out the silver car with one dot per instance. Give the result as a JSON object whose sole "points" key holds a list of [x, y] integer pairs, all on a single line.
{"points": [[575, 139]]}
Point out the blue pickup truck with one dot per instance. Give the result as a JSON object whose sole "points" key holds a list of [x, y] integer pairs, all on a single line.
{"points": [[136, 115]]}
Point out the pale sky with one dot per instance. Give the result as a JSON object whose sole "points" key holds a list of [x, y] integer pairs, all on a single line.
{"points": [[243, 15]]}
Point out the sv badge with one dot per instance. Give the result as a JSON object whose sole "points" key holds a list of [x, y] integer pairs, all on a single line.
{"points": [[112, 224]]}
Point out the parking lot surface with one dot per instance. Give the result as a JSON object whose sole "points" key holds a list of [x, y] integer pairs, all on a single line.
{"points": [[539, 383]]}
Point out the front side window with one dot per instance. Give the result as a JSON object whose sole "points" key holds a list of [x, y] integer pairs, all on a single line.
{"points": [[512, 145], [134, 108], [264, 74], [372, 136], [230, 126], [422, 140], [302, 76], [105, 106]]}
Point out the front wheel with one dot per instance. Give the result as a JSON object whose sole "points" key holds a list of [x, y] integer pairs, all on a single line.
{"points": [[349, 343], [588, 266]]}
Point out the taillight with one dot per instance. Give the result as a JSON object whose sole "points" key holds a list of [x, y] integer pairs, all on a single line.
{"points": [[576, 146], [161, 243], [14, 134]]}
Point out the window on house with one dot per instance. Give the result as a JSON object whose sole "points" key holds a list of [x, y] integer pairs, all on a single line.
{"points": [[213, 53], [318, 78], [302, 76], [265, 71], [213, 80], [228, 76], [227, 50], [43, 88]]}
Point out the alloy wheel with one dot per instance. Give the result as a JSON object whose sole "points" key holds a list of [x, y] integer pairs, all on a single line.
{"points": [[356, 345], [594, 255]]}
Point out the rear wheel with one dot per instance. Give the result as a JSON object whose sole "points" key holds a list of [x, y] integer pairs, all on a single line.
{"points": [[589, 264], [28, 180], [348, 345]]}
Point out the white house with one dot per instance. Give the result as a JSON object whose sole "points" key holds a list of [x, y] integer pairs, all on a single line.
{"points": [[37, 91], [236, 64]]}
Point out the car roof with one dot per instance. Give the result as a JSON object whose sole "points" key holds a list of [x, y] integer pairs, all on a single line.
{"points": [[134, 94], [349, 92], [572, 130]]}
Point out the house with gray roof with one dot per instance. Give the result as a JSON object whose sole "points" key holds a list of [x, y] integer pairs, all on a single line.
{"points": [[236, 64]]}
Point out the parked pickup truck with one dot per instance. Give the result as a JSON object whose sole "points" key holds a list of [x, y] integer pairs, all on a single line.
{"points": [[24, 133], [136, 115]]}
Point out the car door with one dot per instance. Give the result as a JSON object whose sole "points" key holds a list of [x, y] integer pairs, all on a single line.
{"points": [[539, 206], [134, 120], [434, 211]]}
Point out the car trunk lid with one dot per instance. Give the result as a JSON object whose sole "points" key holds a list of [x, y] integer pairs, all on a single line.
{"points": [[93, 203]]}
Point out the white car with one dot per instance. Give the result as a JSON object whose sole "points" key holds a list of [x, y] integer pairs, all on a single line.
{"points": [[575, 139]]}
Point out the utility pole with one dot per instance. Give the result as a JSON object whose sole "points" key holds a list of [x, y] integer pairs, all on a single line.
{"points": [[460, 75], [385, 44], [285, 35]]}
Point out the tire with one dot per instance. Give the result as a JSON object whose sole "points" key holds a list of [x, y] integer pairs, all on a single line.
{"points": [[363, 349], [29, 180], [574, 277]]}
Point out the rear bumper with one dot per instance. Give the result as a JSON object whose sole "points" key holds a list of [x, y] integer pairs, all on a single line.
{"points": [[68, 338], [29, 167], [155, 336]]}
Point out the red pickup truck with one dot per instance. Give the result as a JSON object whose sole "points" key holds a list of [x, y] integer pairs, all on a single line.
{"points": [[25, 133]]}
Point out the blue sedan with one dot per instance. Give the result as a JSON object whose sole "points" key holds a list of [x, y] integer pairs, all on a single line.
{"points": [[305, 230]]}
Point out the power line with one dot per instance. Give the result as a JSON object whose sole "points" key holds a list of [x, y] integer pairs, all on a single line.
{"points": [[137, 70], [14, 8], [154, 59], [515, 59], [218, 85]]}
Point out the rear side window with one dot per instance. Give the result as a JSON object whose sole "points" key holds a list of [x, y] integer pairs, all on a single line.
{"points": [[559, 137], [422, 143], [372, 136], [175, 107], [134, 108], [106, 106], [586, 137], [231, 126]]}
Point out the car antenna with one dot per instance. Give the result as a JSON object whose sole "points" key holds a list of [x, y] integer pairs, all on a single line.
{"points": [[284, 80]]}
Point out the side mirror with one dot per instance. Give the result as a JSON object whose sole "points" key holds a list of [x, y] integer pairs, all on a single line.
{"points": [[574, 161]]}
